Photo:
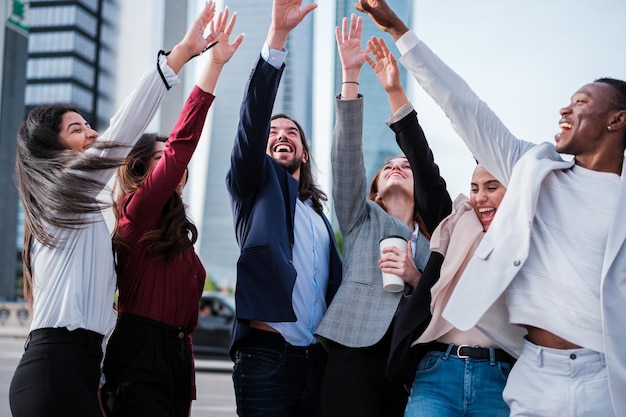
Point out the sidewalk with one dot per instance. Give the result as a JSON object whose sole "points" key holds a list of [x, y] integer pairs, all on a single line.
{"points": [[15, 331]]}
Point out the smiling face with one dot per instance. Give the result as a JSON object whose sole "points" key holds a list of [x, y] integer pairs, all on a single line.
{"points": [[285, 145], [394, 176], [486, 194], [585, 120], [75, 133]]}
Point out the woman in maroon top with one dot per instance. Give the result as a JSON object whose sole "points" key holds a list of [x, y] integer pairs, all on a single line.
{"points": [[148, 367]]}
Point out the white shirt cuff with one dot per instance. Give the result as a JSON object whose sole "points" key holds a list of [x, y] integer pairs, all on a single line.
{"points": [[407, 41], [170, 76], [399, 114], [274, 57]]}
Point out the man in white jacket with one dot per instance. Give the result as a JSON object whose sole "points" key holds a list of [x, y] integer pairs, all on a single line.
{"points": [[553, 265]]}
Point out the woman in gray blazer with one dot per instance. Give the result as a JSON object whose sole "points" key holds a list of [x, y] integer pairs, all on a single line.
{"points": [[408, 198]]}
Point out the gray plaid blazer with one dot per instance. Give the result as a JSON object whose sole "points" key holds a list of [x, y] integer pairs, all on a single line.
{"points": [[361, 312]]}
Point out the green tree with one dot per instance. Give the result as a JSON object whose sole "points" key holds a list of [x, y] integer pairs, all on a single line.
{"points": [[339, 239]]}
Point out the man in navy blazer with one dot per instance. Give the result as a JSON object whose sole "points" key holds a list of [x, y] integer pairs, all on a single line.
{"points": [[289, 267]]}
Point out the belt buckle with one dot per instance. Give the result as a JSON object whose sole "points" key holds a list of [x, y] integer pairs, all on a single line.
{"points": [[458, 351]]}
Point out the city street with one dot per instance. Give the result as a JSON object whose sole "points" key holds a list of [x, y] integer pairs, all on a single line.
{"points": [[213, 377]]}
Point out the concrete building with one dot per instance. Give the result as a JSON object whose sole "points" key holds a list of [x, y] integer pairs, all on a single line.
{"points": [[72, 54], [13, 52]]}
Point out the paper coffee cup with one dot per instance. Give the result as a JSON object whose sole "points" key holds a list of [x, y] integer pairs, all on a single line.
{"points": [[392, 282]]}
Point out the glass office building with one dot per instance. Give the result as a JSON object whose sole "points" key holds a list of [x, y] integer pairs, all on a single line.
{"points": [[13, 52], [71, 58], [71, 55]]}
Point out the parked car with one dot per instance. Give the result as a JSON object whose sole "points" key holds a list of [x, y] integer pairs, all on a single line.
{"points": [[215, 324]]}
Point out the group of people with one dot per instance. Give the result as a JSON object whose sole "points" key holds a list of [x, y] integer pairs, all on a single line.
{"points": [[512, 295]]}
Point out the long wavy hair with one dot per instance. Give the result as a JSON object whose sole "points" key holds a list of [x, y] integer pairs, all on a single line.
{"points": [[307, 187], [175, 233], [372, 196], [50, 179]]}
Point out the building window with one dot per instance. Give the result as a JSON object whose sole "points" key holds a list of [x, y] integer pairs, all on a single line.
{"points": [[59, 93], [51, 42], [48, 17], [63, 67]]}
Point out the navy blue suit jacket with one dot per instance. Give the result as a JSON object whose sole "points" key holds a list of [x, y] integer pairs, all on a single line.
{"points": [[263, 202]]}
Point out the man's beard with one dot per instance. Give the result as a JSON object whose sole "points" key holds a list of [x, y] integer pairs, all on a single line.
{"points": [[292, 165]]}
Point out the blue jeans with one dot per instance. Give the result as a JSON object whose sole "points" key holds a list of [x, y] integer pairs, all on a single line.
{"points": [[446, 385], [273, 378]]}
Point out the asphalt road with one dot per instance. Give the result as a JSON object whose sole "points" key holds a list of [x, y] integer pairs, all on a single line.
{"points": [[213, 378]]}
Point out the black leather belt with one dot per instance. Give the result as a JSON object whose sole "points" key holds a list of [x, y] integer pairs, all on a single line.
{"points": [[465, 351]]}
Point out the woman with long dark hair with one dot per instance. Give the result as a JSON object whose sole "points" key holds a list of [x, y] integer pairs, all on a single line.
{"points": [[62, 165], [148, 365]]}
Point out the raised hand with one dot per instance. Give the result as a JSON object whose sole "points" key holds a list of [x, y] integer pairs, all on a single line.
{"points": [[351, 55], [194, 42], [223, 50], [384, 64], [383, 16], [286, 15]]}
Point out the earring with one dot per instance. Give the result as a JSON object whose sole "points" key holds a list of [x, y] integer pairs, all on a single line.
{"points": [[608, 128]]}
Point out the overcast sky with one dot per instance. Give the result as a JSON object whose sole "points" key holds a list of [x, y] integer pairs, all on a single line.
{"points": [[525, 59]]}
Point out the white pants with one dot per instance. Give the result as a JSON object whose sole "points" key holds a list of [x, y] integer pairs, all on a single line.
{"points": [[558, 383]]}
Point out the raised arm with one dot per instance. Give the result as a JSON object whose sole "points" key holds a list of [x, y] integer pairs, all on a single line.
{"points": [[248, 157], [431, 196], [349, 180], [351, 56], [136, 112], [286, 15], [194, 42], [221, 52], [383, 16], [147, 202], [485, 135], [386, 69]]}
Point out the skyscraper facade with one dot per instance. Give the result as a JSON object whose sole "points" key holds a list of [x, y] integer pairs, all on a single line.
{"points": [[71, 55], [13, 52]]}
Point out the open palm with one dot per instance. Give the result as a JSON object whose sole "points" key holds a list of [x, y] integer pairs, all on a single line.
{"points": [[223, 50], [349, 43], [384, 64]]}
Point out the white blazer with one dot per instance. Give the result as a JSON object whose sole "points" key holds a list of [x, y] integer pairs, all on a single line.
{"points": [[478, 298]]}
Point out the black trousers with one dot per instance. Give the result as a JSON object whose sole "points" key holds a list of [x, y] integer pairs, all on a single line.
{"points": [[354, 383], [147, 369], [58, 374]]}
